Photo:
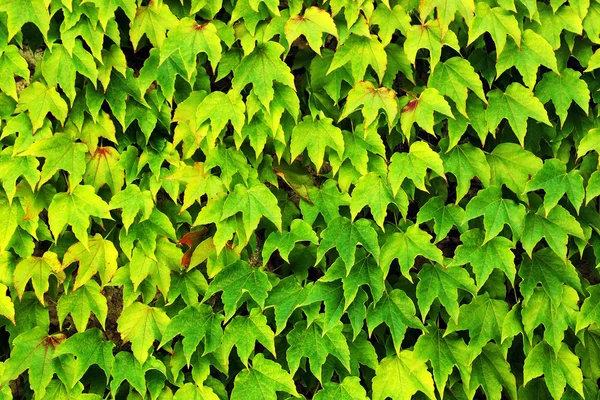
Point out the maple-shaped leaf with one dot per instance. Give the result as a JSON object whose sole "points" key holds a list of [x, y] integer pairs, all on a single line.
{"points": [[359, 147], [89, 348], [13, 167], [300, 231], [157, 269], [442, 283], [75, 209], [466, 162], [511, 165], [556, 182], [39, 100], [103, 168], [421, 109], [141, 325], [127, 368], [91, 131], [397, 311], [153, 21], [60, 152], [444, 352], [262, 68], [285, 297], [389, 20], [555, 316], [483, 317], [191, 39], [344, 235], [244, 331], [446, 11], [373, 191], [594, 62], [498, 22], [324, 201], [38, 270], [21, 12], [315, 136], [145, 233], [349, 389], [362, 52], [80, 303], [331, 295], [194, 323], [234, 281], [589, 310], [496, 212], [312, 24], [372, 101], [133, 202], [516, 104], [492, 372], [33, 350], [193, 391], [198, 182], [220, 108], [484, 255], [189, 285], [453, 78], [7, 308], [262, 381], [315, 344], [527, 56], [563, 89], [590, 141], [428, 36], [107, 8], [558, 370], [254, 203], [405, 247], [445, 216], [11, 64], [401, 376], [414, 165], [554, 227], [112, 59]]}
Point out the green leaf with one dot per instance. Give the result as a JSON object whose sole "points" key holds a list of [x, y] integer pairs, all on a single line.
{"points": [[12, 64], [38, 270], [315, 136], [126, 367], [13, 167], [285, 297], [39, 100], [141, 325], [414, 165], [80, 303], [21, 12], [324, 201], [373, 191], [497, 22], [262, 381], [7, 308], [558, 370], [510, 165], [254, 203], [244, 331], [405, 247], [420, 110], [401, 376], [372, 101], [563, 90], [348, 389], [312, 25], [153, 21], [492, 372], [429, 36], [589, 310], [590, 141], [466, 162], [344, 235], [389, 20], [361, 52], [445, 216], [133, 202], [299, 231], [220, 108], [192, 391], [146, 232]]}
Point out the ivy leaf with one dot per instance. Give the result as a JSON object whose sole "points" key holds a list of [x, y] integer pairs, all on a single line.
{"points": [[253, 203], [421, 111], [563, 89], [429, 36], [80, 303], [262, 381], [299, 231], [133, 202], [511, 165], [444, 352], [372, 101], [75, 209], [492, 372], [312, 25], [316, 136], [554, 227], [325, 201], [7, 308], [60, 152], [453, 78], [397, 310], [445, 216], [315, 344], [498, 22], [157, 269], [12, 64], [400, 376], [126, 367], [244, 331], [261, 68], [556, 182], [235, 280], [192, 391], [362, 52], [389, 20], [516, 104], [373, 191], [146, 232], [285, 297], [558, 370], [344, 235], [89, 348], [153, 21], [21, 12], [38, 269], [589, 310], [442, 283], [590, 141], [13, 167], [406, 246], [39, 100], [466, 162], [331, 295], [141, 325], [414, 165], [348, 389], [527, 56], [194, 323], [220, 108], [496, 212]]}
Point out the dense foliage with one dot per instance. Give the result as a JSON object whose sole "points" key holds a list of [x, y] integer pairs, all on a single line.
{"points": [[252, 199]]}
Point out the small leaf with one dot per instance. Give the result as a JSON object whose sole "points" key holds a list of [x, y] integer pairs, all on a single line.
{"points": [[399, 377], [141, 325]]}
